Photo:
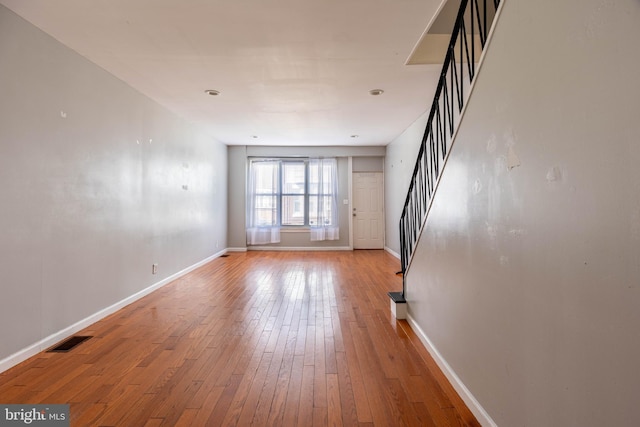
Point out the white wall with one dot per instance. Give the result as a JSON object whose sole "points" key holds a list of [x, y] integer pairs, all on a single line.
{"points": [[368, 164], [398, 168], [92, 192], [237, 186], [527, 278]]}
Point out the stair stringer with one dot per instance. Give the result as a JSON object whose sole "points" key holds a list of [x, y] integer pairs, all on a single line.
{"points": [[465, 394]]}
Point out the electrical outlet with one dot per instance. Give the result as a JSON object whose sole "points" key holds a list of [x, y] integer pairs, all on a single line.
{"points": [[154, 268], [217, 244]]}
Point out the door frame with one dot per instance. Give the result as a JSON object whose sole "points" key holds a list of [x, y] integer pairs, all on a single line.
{"points": [[384, 221]]}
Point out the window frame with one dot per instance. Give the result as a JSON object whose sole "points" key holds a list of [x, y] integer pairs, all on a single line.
{"points": [[275, 195], [280, 191], [305, 214], [318, 195]]}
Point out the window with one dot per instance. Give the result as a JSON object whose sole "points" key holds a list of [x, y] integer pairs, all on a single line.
{"points": [[266, 194], [293, 175], [291, 193], [321, 196]]}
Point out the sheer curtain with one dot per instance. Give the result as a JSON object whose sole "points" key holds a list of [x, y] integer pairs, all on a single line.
{"points": [[263, 219], [323, 199]]}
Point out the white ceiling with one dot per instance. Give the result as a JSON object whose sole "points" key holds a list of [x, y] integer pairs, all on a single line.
{"points": [[291, 72]]}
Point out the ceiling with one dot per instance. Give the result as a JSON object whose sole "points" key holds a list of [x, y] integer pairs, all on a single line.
{"points": [[289, 72]]}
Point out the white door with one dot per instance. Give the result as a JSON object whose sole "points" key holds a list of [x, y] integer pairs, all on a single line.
{"points": [[368, 213]]}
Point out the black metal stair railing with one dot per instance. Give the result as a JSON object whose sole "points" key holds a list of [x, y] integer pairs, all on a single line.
{"points": [[468, 39]]}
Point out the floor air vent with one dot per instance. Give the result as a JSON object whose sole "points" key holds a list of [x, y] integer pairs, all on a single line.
{"points": [[224, 256], [69, 344]]}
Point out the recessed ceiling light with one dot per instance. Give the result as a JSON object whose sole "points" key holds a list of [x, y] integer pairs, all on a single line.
{"points": [[212, 92], [376, 92]]}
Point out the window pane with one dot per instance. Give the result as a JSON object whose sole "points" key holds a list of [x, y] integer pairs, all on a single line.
{"points": [[292, 210], [266, 177], [324, 210], [265, 211], [315, 178], [292, 178]]}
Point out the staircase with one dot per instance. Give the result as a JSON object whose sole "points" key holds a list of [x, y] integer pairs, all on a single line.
{"points": [[468, 40]]}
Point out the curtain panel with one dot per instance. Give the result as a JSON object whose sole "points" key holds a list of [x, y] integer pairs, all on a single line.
{"points": [[263, 219], [323, 199]]}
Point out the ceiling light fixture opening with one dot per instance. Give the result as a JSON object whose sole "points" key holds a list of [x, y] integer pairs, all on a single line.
{"points": [[376, 92], [212, 92]]}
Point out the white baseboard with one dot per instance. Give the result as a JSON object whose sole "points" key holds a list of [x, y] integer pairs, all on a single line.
{"points": [[392, 252], [236, 249], [299, 248], [56, 337], [474, 406]]}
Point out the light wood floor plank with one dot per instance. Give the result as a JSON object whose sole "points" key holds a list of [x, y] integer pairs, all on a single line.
{"points": [[257, 338]]}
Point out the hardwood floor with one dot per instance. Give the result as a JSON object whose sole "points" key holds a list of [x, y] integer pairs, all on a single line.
{"points": [[257, 338]]}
